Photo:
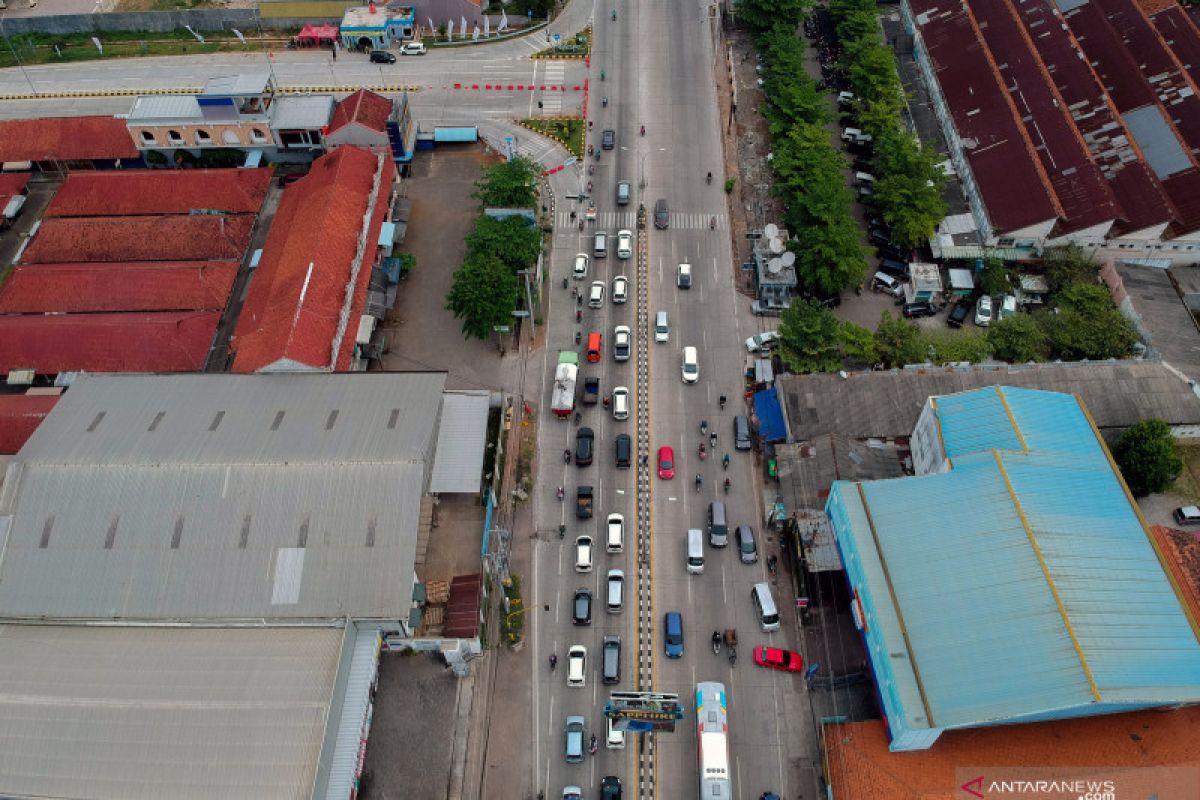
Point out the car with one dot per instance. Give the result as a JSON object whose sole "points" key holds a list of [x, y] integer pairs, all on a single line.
{"points": [[1008, 307], [761, 342], [623, 451], [896, 267], [921, 308], [572, 793], [581, 610], [747, 549], [616, 591], [577, 666], [880, 237], [575, 729], [662, 215], [615, 540], [620, 289], [624, 244], [412, 49], [596, 294], [959, 314], [580, 269], [683, 276], [584, 440], [381, 57], [777, 658], [608, 139], [1187, 515], [613, 739], [583, 554], [610, 788], [622, 339], [623, 193], [689, 367], [673, 634], [983, 312], [666, 463], [620, 402], [769, 308]]}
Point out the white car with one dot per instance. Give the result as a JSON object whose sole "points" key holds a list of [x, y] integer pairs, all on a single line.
{"points": [[577, 666], [683, 276], [615, 543], [624, 244], [761, 342], [620, 403], [581, 266], [620, 292], [596, 295], [690, 367], [412, 49], [613, 739], [583, 554], [983, 312], [621, 342]]}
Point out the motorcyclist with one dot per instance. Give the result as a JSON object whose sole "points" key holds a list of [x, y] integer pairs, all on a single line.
{"points": [[702, 449], [567, 455], [709, 178], [716, 640], [561, 493], [614, 14], [601, 74], [725, 461], [699, 481], [727, 486], [722, 401], [553, 661], [712, 439], [643, 130], [604, 100]]}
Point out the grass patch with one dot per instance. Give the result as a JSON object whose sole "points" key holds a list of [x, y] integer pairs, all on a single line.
{"points": [[575, 47], [567, 131], [42, 48], [1187, 485], [512, 624]]}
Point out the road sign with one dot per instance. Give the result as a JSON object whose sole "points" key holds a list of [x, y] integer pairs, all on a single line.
{"points": [[643, 711]]}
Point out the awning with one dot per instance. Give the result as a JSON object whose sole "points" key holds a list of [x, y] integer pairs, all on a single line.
{"points": [[470, 134], [462, 434], [771, 427], [314, 34]]}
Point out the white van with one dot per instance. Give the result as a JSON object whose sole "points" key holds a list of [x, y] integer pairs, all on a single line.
{"points": [[616, 533], [613, 740], [661, 333], [764, 607], [695, 551], [689, 366], [887, 284], [620, 403], [616, 591]]}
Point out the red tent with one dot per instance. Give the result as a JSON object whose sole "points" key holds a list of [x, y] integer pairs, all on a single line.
{"points": [[315, 35]]}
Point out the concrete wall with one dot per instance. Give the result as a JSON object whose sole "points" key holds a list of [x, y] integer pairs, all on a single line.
{"points": [[244, 19]]}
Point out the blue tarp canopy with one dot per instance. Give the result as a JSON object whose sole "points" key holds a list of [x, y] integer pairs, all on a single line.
{"points": [[770, 416], [470, 134]]}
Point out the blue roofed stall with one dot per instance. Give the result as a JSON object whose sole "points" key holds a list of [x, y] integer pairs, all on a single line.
{"points": [[771, 425]]}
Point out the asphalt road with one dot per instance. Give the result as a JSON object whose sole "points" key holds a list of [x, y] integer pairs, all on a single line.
{"points": [[667, 83]]}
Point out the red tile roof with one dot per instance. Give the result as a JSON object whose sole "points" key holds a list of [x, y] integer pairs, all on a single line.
{"points": [[861, 768], [20, 414], [168, 238], [132, 192], [298, 293], [129, 286], [366, 108], [1005, 166], [65, 139], [164, 342]]}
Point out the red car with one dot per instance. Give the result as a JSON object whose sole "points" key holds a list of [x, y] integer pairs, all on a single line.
{"points": [[666, 463], [774, 658]]}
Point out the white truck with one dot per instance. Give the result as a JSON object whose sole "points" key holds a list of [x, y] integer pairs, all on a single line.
{"points": [[562, 400]]}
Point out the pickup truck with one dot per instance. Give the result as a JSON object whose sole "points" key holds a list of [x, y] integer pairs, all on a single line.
{"points": [[591, 390], [583, 503]]}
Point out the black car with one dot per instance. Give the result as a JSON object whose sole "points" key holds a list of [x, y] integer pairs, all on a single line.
{"points": [[958, 315], [610, 788], [382, 57], [581, 614], [921, 308], [880, 237], [608, 139], [893, 252], [894, 267], [583, 446], [662, 216], [623, 448]]}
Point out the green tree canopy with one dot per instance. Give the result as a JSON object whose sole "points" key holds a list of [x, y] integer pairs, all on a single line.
{"points": [[763, 15], [994, 278], [829, 258], [808, 338], [898, 341], [1087, 325], [858, 344], [962, 345], [483, 295], [1017, 340], [1147, 458], [908, 189], [509, 184], [1067, 265], [514, 240]]}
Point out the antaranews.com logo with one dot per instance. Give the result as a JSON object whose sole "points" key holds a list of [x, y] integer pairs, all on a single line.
{"points": [[1077, 783]]}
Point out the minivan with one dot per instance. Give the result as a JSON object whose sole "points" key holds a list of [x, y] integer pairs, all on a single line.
{"points": [[718, 527], [623, 193], [695, 551], [623, 448], [747, 549], [661, 333], [601, 245], [596, 295], [381, 57], [576, 727], [741, 432], [616, 590], [594, 341], [887, 284], [764, 607], [611, 670], [620, 403], [615, 543], [673, 634]]}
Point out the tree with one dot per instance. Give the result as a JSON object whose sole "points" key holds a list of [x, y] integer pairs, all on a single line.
{"points": [[509, 184], [898, 341], [858, 344], [763, 15], [483, 295], [951, 346], [514, 240], [829, 258], [808, 338], [1087, 325], [908, 190], [994, 278], [1017, 340], [1067, 265], [1147, 458]]}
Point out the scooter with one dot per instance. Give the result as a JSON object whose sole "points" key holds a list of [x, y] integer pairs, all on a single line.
{"points": [[561, 494], [725, 461], [772, 565], [716, 643], [567, 456], [703, 452], [727, 486], [712, 440]]}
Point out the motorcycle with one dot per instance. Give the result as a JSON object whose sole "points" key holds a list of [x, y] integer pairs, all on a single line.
{"points": [[562, 531], [703, 427], [591, 169], [716, 642], [727, 486], [709, 178], [725, 461], [592, 745], [591, 149], [712, 440], [721, 400], [567, 456], [561, 494], [703, 452], [589, 185], [614, 15], [553, 662], [578, 315], [699, 482], [772, 565], [578, 337]]}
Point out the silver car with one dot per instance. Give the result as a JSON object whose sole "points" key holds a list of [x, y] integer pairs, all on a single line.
{"points": [[574, 749]]}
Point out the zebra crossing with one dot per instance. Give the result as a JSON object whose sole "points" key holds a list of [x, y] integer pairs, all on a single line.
{"points": [[616, 220], [554, 75]]}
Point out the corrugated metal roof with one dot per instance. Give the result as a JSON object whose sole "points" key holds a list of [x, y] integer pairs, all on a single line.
{"points": [[310, 111], [130, 713], [462, 434], [363, 667], [150, 109], [221, 496]]}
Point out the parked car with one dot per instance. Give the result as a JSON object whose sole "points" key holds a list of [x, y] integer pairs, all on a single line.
{"points": [[776, 658], [608, 139], [412, 49], [768, 308], [662, 215], [921, 308], [1187, 515], [382, 57], [673, 634], [666, 463], [880, 237], [983, 312], [575, 730], [584, 439], [896, 267], [581, 612], [959, 314], [761, 342], [620, 290], [1008, 307]]}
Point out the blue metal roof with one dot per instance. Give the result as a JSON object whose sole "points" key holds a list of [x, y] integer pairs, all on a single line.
{"points": [[1022, 583], [770, 415]]}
